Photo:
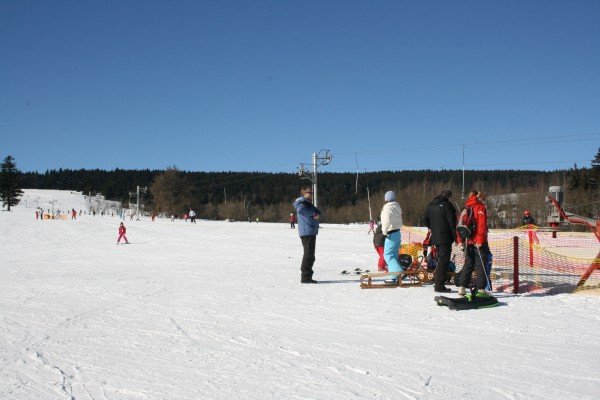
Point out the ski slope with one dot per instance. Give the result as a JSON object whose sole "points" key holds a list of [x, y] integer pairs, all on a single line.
{"points": [[215, 310]]}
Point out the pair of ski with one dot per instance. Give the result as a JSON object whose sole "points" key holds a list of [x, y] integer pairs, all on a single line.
{"points": [[468, 302]]}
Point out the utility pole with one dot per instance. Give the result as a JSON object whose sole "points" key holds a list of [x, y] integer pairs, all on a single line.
{"points": [[463, 183], [369, 200], [137, 195], [53, 201], [318, 159]]}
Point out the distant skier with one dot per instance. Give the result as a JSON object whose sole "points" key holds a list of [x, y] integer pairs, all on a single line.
{"points": [[122, 232], [192, 215], [37, 214], [371, 227], [292, 221], [73, 214], [308, 229], [527, 218]]}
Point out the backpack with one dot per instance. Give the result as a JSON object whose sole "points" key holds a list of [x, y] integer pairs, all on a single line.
{"points": [[405, 261], [466, 223]]}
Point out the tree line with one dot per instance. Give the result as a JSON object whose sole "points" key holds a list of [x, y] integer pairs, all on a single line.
{"points": [[343, 197]]}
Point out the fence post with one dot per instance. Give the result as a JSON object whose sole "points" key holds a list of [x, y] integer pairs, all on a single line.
{"points": [[530, 236], [515, 264]]}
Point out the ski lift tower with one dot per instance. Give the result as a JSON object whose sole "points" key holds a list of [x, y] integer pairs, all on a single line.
{"points": [[137, 195], [323, 157], [555, 217]]}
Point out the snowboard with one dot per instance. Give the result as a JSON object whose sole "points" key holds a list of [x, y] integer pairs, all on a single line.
{"points": [[469, 302]]}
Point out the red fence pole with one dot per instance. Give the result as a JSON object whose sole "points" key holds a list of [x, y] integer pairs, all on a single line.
{"points": [[515, 264], [530, 235]]}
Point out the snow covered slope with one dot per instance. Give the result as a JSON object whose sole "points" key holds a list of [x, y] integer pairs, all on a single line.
{"points": [[216, 311]]}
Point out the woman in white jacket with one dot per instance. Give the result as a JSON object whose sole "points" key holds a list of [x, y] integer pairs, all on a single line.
{"points": [[391, 222]]}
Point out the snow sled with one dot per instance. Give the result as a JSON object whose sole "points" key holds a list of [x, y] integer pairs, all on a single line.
{"points": [[413, 275], [469, 302]]}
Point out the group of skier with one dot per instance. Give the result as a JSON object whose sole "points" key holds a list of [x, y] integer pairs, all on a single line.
{"points": [[441, 219]]}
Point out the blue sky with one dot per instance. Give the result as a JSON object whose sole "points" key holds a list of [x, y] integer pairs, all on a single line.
{"points": [[261, 85]]}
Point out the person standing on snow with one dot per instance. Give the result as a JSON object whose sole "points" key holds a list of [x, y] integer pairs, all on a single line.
{"points": [[476, 248], [527, 218], [308, 229], [371, 227], [391, 222], [440, 218], [379, 243], [122, 232], [292, 221]]}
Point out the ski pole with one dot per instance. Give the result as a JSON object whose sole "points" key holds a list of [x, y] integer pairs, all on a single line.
{"points": [[487, 278]]}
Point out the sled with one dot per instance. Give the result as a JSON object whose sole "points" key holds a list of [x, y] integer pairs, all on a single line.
{"points": [[408, 278]]}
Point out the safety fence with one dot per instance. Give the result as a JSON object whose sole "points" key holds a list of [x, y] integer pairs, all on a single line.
{"points": [[529, 258]]}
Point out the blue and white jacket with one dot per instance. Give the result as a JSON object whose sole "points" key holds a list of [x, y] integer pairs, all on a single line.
{"points": [[307, 225]]}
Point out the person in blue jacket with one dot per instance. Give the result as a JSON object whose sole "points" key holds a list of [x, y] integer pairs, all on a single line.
{"points": [[308, 228]]}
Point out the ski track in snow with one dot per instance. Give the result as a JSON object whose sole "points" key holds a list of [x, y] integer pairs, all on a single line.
{"points": [[179, 315]]}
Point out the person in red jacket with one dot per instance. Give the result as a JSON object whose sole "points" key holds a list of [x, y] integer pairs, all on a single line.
{"points": [[122, 232], [476, 248]]}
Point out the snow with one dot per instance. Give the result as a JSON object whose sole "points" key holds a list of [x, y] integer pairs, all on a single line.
{"points": [[216, 311]]}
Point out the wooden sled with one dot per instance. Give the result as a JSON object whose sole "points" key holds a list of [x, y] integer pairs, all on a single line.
{"points": [[414, 277]]}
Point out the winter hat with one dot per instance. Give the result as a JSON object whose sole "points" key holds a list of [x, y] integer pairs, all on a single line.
{"points": [[446, 192], [389, 196]]}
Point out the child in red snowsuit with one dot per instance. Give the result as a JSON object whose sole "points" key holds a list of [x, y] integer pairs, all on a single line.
{"points": [[122, 231], [378, 242]]}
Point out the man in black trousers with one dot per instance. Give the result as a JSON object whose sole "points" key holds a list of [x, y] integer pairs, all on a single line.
{"points": [[308, 229], [440, 218]]}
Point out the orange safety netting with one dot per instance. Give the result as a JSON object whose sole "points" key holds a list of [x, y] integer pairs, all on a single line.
{"points": [[544, 262]]}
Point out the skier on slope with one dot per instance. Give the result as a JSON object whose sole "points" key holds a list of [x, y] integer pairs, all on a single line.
{"points": [[122, 232]]}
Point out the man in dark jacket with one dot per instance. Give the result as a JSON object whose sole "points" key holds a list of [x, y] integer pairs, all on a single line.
{"points": [[440, 218], [308, 228], [527, 218]]}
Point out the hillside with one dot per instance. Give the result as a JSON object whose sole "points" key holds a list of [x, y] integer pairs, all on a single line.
{"points": [[215, 310]]}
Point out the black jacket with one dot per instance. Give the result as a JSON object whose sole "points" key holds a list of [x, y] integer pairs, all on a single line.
{"points": [[440, 217], [378, 238], [528, 219]]}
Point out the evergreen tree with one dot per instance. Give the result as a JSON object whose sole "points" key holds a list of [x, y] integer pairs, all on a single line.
{"points": [[9, 183], [596, 161]]}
